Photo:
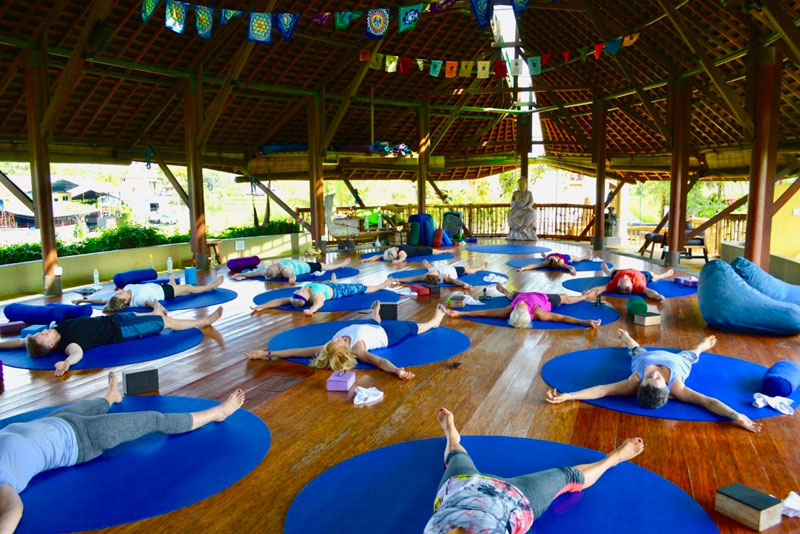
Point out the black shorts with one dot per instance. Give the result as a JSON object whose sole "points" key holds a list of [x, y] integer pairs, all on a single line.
{"points": [[460, 272], [169, 291], [315, 267], [555, 300], [415, 251]]}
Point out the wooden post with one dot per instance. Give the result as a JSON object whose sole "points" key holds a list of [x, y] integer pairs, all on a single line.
{"points": [[36, 94], [680, 95], [524, 144], [599, 158], [424, 132], [316, 185], [194, 170], [763, 157]]}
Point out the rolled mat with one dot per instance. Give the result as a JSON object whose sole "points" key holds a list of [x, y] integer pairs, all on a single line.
{"points": [[397, 486], [341, 273], [583, 265], [507, 249], [185, 302], [668, 288], [248, 262], [414, 259], [730, 380], [139, 350], [581, 310], [433, 346], [361, 301], [150, 476], [134, 276], [474, 279]]}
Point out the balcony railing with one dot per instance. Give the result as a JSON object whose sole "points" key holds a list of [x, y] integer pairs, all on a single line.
{"points": [[730, 228]]}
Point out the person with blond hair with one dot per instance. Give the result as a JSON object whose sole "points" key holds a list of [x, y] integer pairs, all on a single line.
{"points": [[289, 269], [353, 344], [442, 273], [147, 294], [527, 307]]}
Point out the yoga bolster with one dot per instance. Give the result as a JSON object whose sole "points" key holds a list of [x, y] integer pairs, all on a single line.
{"points": [[636, 305], [44, 314], [437, 238], [240, 264], [781, 379], [446, 241], [427, 230], [420, 290], [72, 310], [413, 237], [134, 277]]}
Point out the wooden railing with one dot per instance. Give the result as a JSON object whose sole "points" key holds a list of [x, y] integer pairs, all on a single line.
{"points": [[554, 221], [730, 228]]}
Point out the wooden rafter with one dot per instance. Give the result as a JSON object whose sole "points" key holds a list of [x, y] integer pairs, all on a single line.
{"points": [[572, 124], [784, 25], [794, 165], [162, 164], [17, 192], [609, 200], [281, 121], [353, 192]]}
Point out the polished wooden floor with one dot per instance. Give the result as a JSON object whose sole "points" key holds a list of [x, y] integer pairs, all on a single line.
{"points": [[497, 389]]}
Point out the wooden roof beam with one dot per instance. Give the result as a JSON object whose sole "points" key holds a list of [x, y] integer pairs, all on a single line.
{"points": [[576, 129], [17, 192], [168, 173], [784, 25], [285, 117], [448, 122]]}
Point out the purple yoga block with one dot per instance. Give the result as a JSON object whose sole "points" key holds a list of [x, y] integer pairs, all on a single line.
{"points": [[689, 281], [340, 381]]}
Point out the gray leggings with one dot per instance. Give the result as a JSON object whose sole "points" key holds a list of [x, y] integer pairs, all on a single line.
{"points": [[97, 430], [540, 488]]}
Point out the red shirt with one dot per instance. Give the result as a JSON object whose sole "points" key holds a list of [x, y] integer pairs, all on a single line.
{"points": [[636, 277]]}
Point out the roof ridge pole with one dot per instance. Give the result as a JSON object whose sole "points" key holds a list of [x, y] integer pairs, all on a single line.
{"points": [[763, 162], [599, 158], [679, 94]]}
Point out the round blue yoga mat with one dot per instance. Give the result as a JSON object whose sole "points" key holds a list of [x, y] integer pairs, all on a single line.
{"points": [[507, 249], [341, 273], [581, 310], [730, 380], [391, 490], [474, 279], [361, 301], [414, 259], [150, 476], [583, 265], [668, 288], [433, 346], [144, 349], [184, 302]]}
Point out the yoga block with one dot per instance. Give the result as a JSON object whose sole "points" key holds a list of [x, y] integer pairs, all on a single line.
{"points": [[457, 301], [647, 318], [748, 506], [340, 381], [389, 311], [434, 288], [690, 281], [190, 274], [32, 330], [137, 382], [11, 327], [421, 291]]}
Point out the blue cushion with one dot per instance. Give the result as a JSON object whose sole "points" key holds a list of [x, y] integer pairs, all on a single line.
{"points": [[781, 379], [765, 282], [729, 303], [71, 310], [134, 277], [33, 314], [446, 241]]}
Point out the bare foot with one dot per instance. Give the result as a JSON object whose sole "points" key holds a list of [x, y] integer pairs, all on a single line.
{"points": [[333, 277], [113, 395], [258, 355], [447, 421], [159, 309], [438, 315], [217, 282], [453, 313], [231, 404], [623, 335], [344, 262], [668, 273], [630, 448], [211, 319], [707, 343], [485, 266], [594, 323], [376, 311]]}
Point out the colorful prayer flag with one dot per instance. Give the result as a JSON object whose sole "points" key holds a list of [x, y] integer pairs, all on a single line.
{"points": [[376, 61], [520, 5], [377, 23], [483, 69], [148, 7], [204, 21], [286, 23], [442, 6], [545, 59], [466, 69], [391, 63], [227, 14], [436, 67], [500, 69], [322, 18], [482, 10], [583, 52], [176, 16], [450, 69], [598, 49], [364, 55], [515, 66], [535, 65], [344, 18], [404, 66], [420, 64], [566, 54], [630, 39], [260, 27], [409, 16], [612, 47]]}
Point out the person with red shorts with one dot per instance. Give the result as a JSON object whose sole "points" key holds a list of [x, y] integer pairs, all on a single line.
{"points": [[629, 282]]}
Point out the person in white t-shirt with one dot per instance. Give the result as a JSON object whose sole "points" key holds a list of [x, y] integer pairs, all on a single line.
{"points": [[442, 273], [353, 344], [146, 295]]}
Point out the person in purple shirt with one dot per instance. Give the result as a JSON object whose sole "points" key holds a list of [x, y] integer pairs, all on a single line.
{"points": [[556, 260]]}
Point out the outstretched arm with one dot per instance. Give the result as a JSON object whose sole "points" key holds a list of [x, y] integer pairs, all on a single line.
{"points": [[288, 273], [307, 352], [621, 388], [89, 301], [382, 363], [497, 312], [274, 303], [74, 355], [10, 509], [457, 282], [401, 257], [316, 303], [372, 258], [16, 343], [420, 278], [531, 267], [685, 394], [653, 294]]}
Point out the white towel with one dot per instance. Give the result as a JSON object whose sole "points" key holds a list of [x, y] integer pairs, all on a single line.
{"points": [[367, 395], [317, 273], [781, 404], [404, 291], [791, 505], [468, 299], [495, 279]]}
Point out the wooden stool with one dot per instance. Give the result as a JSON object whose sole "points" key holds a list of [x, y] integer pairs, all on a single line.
{"points": [[211, 244]]}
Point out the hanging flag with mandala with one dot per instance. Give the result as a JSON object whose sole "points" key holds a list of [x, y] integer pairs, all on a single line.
{"points": [[260, 27], [176, 16], [148, 6], [520, 5], [409, 16], [204, 17], [377, 23], [344, 18], [227, 14], [483, 12], [285, 23]]}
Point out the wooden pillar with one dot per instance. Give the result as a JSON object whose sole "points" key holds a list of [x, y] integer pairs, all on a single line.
{"points": [[763, 157], [424, 132], [192, 106], [599, 158], [36, 95], [680, 95], [523, 144], [316, 185]]}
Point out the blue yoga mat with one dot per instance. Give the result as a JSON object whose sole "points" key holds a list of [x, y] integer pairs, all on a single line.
{"points": [[581, 310], [728, 379], [507, 249], [341, 273], [668, 288], [433, 346], [414, 259], [184, 302], [583, 265], [391, 491], [147, 477], [361, 301], [144, 349], [474, 279]]}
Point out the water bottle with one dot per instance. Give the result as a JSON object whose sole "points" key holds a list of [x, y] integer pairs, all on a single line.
{"points": [[151, 262], [96, 277], [169, 265]]}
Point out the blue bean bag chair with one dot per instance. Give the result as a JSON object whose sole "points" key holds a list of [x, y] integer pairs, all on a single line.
{"points": [[729, 301]]}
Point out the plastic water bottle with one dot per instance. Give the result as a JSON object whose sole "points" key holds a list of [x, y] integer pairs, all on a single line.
{"points": [[151, 262], [169, 265], [96, 277]]}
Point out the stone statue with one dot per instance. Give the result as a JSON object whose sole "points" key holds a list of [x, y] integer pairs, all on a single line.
{"points": [[522, 215]]}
